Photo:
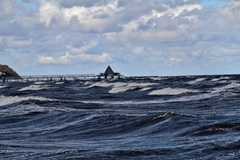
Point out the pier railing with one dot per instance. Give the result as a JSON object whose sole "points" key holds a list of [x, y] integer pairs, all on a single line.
{"points": [[51, 77], [66, 77]]}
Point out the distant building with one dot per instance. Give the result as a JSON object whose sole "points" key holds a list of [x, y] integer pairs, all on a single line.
{"points": [[109, 73]]}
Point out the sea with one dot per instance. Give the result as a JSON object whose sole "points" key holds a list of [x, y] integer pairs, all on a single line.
{"points": [[136, 118]]}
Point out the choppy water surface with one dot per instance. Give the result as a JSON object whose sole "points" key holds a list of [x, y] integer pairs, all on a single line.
{"points": [[191, 117]]}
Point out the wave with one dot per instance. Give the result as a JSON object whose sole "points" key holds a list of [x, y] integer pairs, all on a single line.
{"points": [[35, 87], [145, 118], [171, 91], [227, 87], [118, 87], [156, 100], [221, 78], [198, 80], [15, 99], [218, 128], [2, 86], [23, 110], [38, 83], [104, 124]]}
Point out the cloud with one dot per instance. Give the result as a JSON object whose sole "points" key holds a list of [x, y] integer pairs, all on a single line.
{"points": [[46, 59], [91, 19], [6, 7], [166, 25], [76, 55], [100, 58], [82, 49], [165, 34], [68, 58]]}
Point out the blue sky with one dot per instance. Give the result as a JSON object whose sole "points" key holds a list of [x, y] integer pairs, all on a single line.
{"points": [[137, 37], [214, 3]]}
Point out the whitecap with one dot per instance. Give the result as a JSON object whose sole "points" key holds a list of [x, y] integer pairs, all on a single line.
{"points": [[29, 108], [192, 98], [233, 85], [22, 109], [157, 101], [139, 102], [171, 91], [14, 99], [119, 89], [2, 86], [59, 82], [196, 80], [158, 78], [34, 87], [101, 84], [122, 87], [221, 78], [39, 82], [146, 89]]}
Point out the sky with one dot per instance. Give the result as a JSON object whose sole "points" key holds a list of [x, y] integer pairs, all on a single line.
{"points": [[134, 37]]}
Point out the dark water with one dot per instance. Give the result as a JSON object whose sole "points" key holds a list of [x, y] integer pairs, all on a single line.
{"points": [[194, 117]]}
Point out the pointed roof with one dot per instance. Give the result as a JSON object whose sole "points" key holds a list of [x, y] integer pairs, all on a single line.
{"points": [[109, 70]]}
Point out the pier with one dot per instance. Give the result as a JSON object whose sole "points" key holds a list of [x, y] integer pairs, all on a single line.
{"points": [[108, 74], [66, 77]]}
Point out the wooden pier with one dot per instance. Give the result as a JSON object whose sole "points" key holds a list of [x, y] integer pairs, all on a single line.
{"points": [[108, 74], [51, 77]]}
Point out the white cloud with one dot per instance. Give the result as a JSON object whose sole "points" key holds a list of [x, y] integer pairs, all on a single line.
{"points": [[100, 58], [82, 49], [46, 59], [175, 12], [164, 26], [94, 18], [166, 33], [13, 42], [138, 50], [68, 58], [76, 55], [6, 7], [47, 11]]}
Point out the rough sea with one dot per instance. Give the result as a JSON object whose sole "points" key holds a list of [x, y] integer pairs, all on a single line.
{"points": [[182, 117]]}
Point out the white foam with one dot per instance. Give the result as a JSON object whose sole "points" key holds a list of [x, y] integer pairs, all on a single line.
{"points": [[171, 91], [158, 101], [146, 89], [22, 109], [192, 98], [101, 84], [59, 82], [158, 78], [196, 80], [118, 87], [34, 87], [227, 87], [28, 108], [122, 87], [134, 84], [14, 99], [39, 82], [1, 86], [221, 78]]}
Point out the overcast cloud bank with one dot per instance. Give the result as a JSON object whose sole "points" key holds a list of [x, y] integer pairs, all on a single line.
{"points": [[137, 37]]}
